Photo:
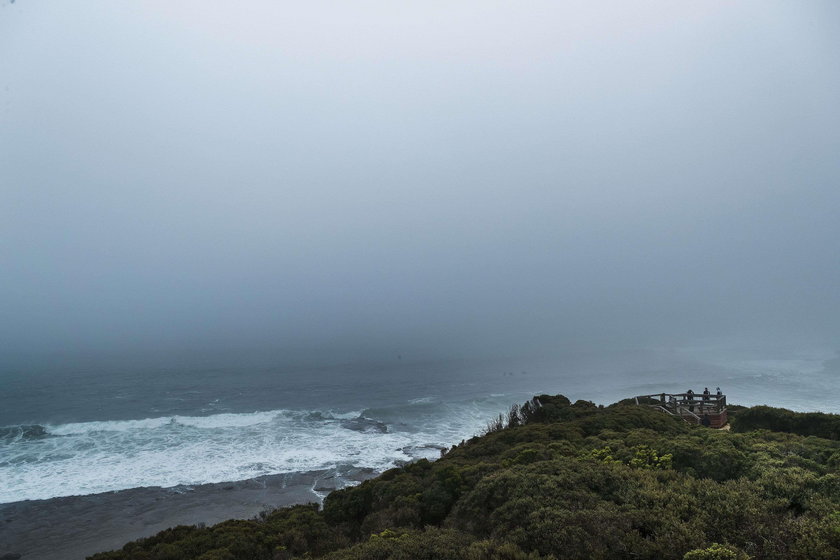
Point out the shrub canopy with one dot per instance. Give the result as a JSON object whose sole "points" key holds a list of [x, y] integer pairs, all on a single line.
{"points": [[560, 480]]}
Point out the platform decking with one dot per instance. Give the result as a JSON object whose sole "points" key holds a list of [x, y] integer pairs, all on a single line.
{"points": [[699, 408]]}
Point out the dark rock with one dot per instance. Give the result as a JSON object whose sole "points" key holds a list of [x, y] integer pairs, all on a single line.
{"points": [[326, 485], [362, 424]]}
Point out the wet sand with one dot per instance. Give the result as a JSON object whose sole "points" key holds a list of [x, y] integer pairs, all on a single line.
{"points": [[75, 527]]}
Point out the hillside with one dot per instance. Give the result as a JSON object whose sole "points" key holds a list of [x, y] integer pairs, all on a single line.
{"points": [[567, 481]]}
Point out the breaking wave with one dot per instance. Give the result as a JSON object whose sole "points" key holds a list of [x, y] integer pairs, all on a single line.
{"points": [[12, 434], [40, 462]]}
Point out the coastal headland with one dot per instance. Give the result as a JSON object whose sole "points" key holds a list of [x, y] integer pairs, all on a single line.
{"points": [[550, 479]]}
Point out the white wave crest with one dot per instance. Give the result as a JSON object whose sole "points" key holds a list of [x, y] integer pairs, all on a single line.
{"points": [[214, 421], [91, 457]]}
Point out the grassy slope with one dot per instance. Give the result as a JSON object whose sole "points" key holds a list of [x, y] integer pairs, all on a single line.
{"points": [[573, 481]]}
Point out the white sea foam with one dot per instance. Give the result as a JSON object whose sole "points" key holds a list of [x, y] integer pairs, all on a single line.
{"points": [[91, 457], [345, 415], [215, 421]]}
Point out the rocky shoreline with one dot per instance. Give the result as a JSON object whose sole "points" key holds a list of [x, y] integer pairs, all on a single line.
{"points": [[74, 527]]}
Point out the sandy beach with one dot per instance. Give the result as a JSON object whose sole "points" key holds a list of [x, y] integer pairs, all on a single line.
{"points": [[74, 527]]}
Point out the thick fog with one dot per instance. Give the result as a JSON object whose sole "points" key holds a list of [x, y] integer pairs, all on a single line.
{"points": [[373, 178]]}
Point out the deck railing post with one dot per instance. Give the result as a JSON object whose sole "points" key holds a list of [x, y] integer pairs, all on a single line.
{"points": [[708, 406]]}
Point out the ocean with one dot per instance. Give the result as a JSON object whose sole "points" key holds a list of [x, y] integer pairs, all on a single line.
{"points": [[88, 430]]}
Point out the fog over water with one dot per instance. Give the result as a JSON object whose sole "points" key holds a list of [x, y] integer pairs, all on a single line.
{"points": [[355, 180], [234, 236], [210, 182]]}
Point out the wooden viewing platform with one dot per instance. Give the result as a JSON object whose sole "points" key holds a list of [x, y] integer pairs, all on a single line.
{"points": [[706, 408]]}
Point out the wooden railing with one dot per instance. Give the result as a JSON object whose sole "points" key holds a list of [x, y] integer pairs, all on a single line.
{"points": [[691, 406]]}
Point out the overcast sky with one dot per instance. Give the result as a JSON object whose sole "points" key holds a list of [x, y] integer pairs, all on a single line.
{"points": [[439, 178]]}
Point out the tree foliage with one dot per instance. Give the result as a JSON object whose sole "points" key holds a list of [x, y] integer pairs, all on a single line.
{"points": [[555, 479], [782, 420]]}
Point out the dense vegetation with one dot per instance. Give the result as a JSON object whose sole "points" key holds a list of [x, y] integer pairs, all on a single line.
{"points": [[782, 420], [565, 480]]}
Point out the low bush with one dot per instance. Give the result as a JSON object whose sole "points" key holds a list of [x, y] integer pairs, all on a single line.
{"points": [[562, 480]]}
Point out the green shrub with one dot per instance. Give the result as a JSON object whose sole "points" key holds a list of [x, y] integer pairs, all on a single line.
{"points": [[566, 480], [716, 552]]}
